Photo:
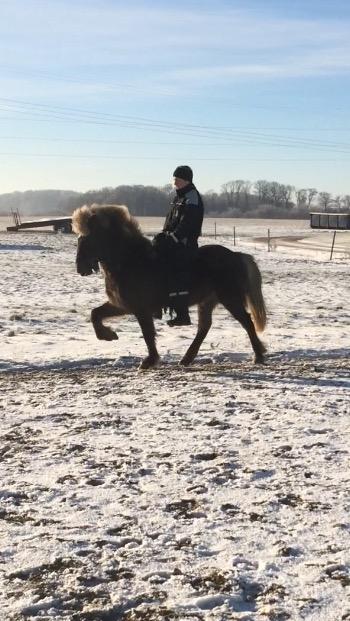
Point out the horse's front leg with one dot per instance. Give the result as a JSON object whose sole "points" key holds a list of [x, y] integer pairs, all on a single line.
{"points": [[149, 334], [104, 333]]}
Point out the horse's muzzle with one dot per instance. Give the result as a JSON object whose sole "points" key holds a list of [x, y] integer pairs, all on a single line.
{"points": [[86, 269], [85, 260]]}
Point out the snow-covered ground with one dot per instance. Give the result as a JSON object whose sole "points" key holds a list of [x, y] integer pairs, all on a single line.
{"points": [[215, 492]]}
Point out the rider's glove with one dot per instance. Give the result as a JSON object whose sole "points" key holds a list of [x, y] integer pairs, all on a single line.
{"points": [[159, 239], [173, 237]]}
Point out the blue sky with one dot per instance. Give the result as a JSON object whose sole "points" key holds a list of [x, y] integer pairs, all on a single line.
{"points": [[105, 93]]}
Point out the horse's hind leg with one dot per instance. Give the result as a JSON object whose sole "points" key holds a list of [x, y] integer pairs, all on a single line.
{"points": [[104, 333], [205, 311], [149, 334], [238, 311]]}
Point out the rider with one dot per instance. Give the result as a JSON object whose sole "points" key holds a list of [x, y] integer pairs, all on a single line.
{"points": [[179, 241]]}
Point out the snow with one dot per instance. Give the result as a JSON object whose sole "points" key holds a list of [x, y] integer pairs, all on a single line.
{"points": [[214, 492]]}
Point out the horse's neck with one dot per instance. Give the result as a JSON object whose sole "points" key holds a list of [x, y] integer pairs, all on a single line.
{"points": [[128, 254]]}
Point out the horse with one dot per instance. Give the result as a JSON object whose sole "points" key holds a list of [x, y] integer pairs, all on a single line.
{"points": [[136, 284]]}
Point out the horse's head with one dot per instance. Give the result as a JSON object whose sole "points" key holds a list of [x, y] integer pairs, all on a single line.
{"points": [[102, 230], [86, 260]]}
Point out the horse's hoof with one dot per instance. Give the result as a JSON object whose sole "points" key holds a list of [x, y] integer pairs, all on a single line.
{"points": [[148, 363], [259, 359], [185, 362], [107, 335], [114, 337]]}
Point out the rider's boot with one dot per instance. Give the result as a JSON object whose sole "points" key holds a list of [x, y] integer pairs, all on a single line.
{"points": [[181, 319], [180, 306]]}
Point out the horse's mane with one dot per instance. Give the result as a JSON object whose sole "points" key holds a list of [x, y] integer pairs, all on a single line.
{"points": [[112, 217]]}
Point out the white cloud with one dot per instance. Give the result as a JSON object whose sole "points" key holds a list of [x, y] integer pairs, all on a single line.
{"points": [[101, 34], [321, 63], [157, 49]]}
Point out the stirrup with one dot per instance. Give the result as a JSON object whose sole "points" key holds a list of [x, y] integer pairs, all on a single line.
{"points": [[184, 320]]}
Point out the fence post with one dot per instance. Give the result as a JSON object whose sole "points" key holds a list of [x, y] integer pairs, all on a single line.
{"points": [[268, 240], [215, 229], [333, 241], [234, 235]]}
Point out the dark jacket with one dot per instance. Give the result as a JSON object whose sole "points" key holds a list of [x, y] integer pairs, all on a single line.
{"points": [[185, 218]]}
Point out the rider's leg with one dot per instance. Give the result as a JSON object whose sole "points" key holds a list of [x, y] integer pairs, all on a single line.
{"points": [[179, 288]]}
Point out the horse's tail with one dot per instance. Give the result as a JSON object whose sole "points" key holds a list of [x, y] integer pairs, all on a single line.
{"points": [[253, 293]]}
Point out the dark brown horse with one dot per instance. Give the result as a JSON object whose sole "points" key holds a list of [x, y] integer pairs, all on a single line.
{"points": [[136, 280]]}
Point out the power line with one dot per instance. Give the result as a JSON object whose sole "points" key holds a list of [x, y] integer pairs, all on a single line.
{"points": [[240, 138], [227, 134], [105, 141], [170, 157]]}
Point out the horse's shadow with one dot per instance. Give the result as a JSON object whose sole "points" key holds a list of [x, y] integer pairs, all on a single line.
{"points": [[309, 354], [233, 360], [223, 362], [278, 356], [297, 368]]}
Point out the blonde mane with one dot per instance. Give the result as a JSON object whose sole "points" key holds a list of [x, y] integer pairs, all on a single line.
{"points": [[114, 217]]}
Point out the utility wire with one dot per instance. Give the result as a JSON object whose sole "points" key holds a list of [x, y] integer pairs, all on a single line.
{"points": [[159, 157], [226, 134], [178, 128]]}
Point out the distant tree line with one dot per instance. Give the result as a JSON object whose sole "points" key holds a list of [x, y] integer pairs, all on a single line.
{"points": [[270, 199], [37, 202], [237, 198], [141, 200]]}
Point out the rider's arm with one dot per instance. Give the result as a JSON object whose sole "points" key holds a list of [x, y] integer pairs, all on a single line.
{"points": [[191, 220]]}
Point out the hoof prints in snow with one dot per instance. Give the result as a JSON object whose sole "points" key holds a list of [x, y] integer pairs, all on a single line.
{"points": [[216, 492]]}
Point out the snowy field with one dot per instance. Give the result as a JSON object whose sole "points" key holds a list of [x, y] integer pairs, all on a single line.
{"points": [[212, 493]]}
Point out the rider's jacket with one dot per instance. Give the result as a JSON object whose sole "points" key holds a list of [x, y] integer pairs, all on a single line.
{"points": [[185, 218]]}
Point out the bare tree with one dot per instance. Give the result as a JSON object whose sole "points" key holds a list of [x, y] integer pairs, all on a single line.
{"points": [[324, 200], [285, 192], [346, 202], [234, 191], [228, 190], [337, 202], [275, 192], [262, 189], [246, 193], [239, 185], [301, 197], [311, 193]]}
